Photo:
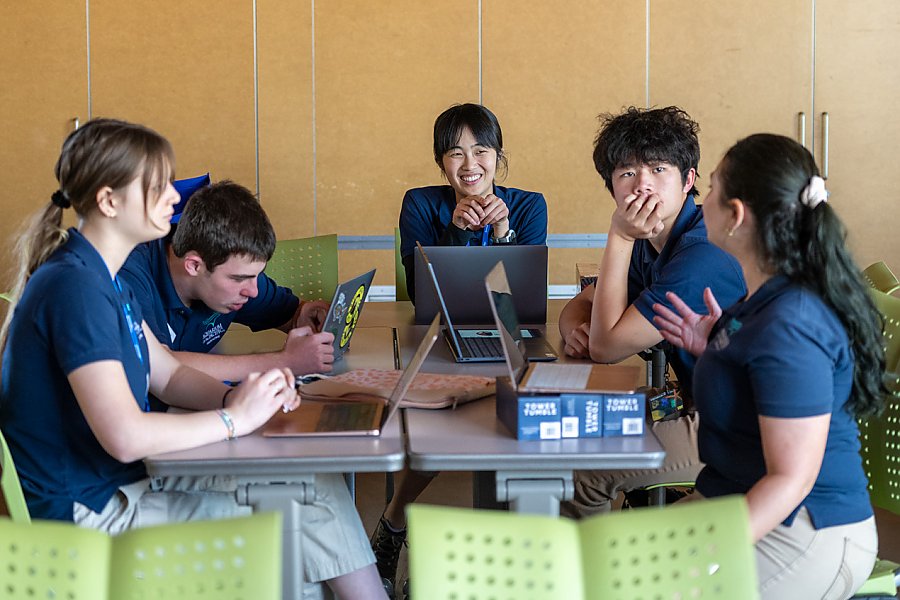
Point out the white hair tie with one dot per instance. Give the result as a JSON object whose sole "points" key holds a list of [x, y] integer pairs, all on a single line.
{"points": [[814, 192]]}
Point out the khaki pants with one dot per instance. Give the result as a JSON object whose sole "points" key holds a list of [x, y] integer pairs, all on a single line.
{"points": [[803, 562], [334, 541], [596, 490]]}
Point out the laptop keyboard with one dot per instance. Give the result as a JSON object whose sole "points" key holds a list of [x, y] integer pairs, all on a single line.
{"points": [[562, 377], [487, 347], [346, 416]]}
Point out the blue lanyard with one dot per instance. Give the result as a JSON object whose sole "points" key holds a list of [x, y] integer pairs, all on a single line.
{"points": [[129, 320], [485, 236]]}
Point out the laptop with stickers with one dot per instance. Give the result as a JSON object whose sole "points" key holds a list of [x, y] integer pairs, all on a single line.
{"points": [[351, 418], [481, 344], [343, 314], [548, 378]]}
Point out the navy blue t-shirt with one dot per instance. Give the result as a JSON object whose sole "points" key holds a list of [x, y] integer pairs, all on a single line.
{"points": [[426, 214], [197, 328], [70, 315], [781, 353], [687, 265]]}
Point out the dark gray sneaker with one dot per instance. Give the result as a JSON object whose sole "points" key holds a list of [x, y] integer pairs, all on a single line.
{"points": [[386, 544]]}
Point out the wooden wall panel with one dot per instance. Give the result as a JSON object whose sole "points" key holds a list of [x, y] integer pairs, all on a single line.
{"points": [[184, 69], [43, 86], [737, 67], [284, 53], [857, 84], [548, 73], [384, 71]]}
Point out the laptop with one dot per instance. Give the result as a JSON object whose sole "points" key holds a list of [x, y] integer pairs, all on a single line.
{"points": [[352, 417], [343, 314], [480, 344], [461, 270], [542, 377]]}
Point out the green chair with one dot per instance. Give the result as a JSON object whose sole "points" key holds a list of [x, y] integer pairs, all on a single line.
{"points": [[13, 498], [309, 266], [881, 278], [399, 269], [696, 549], [879, 438], [234, 558]]}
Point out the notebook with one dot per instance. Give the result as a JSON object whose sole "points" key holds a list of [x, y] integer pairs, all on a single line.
{"points": [[461, 270], [352, 418], [343, 314], [481, 345], [548, 378]]}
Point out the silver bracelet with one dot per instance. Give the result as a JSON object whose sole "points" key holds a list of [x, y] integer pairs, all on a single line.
{"points": [[229, 423]]}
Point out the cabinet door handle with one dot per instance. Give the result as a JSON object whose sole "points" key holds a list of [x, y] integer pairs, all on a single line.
{"points": [[801, 126], [76, 123], [825, 123]]}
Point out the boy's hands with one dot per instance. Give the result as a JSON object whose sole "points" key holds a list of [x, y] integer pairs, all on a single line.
{"points": [[308, 352], [637, 217]]}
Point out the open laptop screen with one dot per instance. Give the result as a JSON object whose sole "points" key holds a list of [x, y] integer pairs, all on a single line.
{"points": [[504, 313]]}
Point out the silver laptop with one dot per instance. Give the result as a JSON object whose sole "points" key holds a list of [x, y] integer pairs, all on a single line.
{"points": [[548, 378], [346, 306], [351, 418], [481, 344], [461, 270]]}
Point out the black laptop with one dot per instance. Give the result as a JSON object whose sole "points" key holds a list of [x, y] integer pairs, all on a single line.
{"points": [[461, 271], [482, 344]]}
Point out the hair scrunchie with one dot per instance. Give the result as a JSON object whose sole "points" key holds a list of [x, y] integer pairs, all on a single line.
{"points": [[814, 192], [60, 199]]}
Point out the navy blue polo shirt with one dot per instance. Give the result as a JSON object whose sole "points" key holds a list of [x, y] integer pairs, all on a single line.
{"points": [[781, 353], [426, 214], [70, 315], [687, 265], [196, 328]]}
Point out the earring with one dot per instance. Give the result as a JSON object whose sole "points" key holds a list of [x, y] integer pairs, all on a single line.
{"points": [[730, 232]]}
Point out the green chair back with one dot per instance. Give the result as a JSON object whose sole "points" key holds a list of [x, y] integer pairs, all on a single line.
{"points": [[234, 558], [13, 497], [399, 270], [699, 549], [882, 278], [309, 266], [889, 306]]}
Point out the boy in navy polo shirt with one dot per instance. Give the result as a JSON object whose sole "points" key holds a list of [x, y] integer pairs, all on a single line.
{"points": [[656, 243], [192, 286]]}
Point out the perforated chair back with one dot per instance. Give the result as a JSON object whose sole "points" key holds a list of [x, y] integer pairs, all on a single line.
{"points": [[889, 307], [696, 549], [880, 277], [233, 558], [399, 270], [13, 498], [458, 553], [239, 559], [309, 266], [53, 559]]}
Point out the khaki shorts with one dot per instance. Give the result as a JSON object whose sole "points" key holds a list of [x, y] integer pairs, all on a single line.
{"points": [[333, 538]]}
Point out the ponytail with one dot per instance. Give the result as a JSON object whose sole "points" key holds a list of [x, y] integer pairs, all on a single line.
{"points": [[42, 236]]}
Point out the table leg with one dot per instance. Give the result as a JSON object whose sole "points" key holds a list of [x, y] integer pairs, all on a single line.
{"points": [[287, 498], [535, 492]]}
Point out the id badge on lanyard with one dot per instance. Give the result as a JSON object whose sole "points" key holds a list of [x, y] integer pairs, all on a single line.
{"points": [[129, 320]]}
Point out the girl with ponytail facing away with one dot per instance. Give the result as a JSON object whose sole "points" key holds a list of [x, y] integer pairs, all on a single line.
{"points": [[783, 374]]}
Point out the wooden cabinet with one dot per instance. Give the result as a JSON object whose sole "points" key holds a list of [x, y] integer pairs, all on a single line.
{"points": [[43, 88], [736, 67], [857, 86]]}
